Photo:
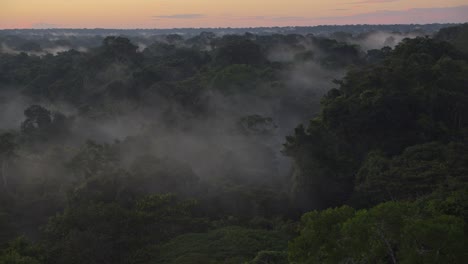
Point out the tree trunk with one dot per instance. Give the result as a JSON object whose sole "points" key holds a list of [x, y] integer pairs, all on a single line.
{"points": [[390, 250]]}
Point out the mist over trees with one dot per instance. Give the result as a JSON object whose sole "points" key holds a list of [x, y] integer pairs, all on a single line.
{"points": [[234, 148]]}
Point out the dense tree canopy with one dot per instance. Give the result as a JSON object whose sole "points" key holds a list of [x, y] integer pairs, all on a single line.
{"points": [[172, 149], [417, 95]]}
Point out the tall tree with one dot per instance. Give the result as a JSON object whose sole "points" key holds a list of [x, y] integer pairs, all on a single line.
{"points": [[8, 147]]}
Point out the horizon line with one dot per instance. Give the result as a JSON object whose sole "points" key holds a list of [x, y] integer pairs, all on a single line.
{"points": [[175, 28]]}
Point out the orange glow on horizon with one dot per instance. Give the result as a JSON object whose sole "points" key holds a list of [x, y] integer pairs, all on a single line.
{"points": [[227, 13]]}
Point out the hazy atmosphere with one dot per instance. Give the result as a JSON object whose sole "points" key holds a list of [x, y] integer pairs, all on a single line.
{"points": [[233, 132]]}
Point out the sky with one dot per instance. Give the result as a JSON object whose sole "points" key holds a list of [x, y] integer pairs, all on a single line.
{"points": [[224, 13]]}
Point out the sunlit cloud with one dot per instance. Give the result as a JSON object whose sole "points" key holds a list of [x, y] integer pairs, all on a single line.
{"points": [[373, 1], [180, 16]]}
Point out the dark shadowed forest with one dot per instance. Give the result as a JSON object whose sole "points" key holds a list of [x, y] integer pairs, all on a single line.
{"points": [[233, 147]]}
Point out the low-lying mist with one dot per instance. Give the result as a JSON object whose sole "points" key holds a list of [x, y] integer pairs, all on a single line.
{"points": [[204, 117]]}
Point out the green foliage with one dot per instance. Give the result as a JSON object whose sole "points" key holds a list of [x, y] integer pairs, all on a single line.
{"points": [[448, 202], [318, 241], [21, 251], [101, 166], [321, 176], [239, 50], [36, 117], [420, 87], [418, 171], [243, 78], [393, 232], [416, 95], [457, 35], [225, 245], [94, 231], [94, 159], [395, 129], [438, 240], [270, 257], [8, 148], [41, 125], [8, 144], [115, 49]]}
